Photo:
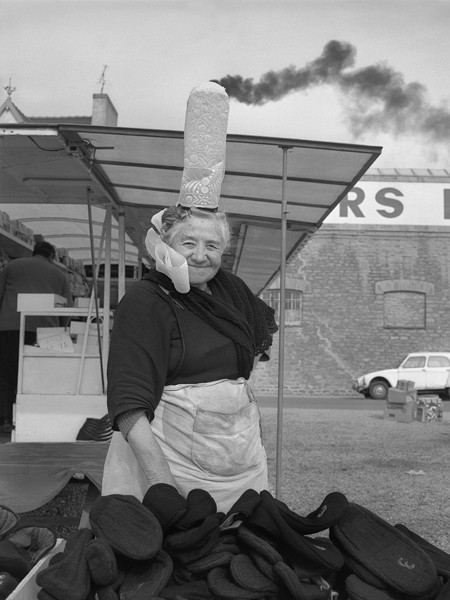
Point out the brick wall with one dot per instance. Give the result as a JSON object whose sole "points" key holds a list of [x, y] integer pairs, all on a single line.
{"points": [[343, 332]]}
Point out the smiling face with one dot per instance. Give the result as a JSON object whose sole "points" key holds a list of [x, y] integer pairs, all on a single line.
{"points": [[201, 242]]}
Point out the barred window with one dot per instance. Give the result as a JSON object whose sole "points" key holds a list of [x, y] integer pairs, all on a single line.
{"points": [[292, 305]]}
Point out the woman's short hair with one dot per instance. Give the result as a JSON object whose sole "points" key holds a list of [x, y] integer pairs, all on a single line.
{"points": [[178, 214]]}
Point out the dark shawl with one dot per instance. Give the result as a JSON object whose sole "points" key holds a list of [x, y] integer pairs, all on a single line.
{"points": [[232, 309]]}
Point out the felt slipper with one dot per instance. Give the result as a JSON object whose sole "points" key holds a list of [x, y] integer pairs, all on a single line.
{"points": [[101, 561], [35, 541], [272, 564], [220, 583], [13, 560], [219, 556], [195, 590], [363, 573], [146, 578], [384, 551], [110, 592], [106, 592], [358, 589], [195, 543], [299, 590], [271, 522], [246, 574], [440, 558], [265, 557], [97, 430], [263, 565], [8, 521], [327, 514], [23, 548], [259, 544], [307, 569], [228, 541], [199, 504], [43, 595], [444, 594], [8, 584], [131, 529], [69, 578], [241, 510], [166, 503], [208, 562]]}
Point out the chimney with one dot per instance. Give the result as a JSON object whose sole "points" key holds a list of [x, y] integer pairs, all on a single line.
{"points": [[103, 111]]}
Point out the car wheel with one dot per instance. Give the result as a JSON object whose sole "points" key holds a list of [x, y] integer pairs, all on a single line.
{"points": [[445, 394], [378, 389]]}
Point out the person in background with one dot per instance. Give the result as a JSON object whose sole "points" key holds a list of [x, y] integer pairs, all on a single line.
{"points": [[35, 274], [178, 372]]}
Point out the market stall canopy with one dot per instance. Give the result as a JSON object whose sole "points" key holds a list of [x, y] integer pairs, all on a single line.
{"points": [[48, 171]]}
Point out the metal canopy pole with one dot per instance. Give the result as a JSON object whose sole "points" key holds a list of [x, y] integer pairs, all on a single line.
{"points": [[95, 288], [107, 288], [121, 274], [279, 445]]}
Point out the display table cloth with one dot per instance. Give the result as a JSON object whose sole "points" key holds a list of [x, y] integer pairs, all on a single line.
{"points": [[32, 474]]}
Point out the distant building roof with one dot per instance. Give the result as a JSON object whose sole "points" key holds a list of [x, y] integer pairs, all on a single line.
{"points": [[9, 113]]}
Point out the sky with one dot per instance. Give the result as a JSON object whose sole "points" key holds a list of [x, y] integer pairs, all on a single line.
{"points": [[371, 72]]}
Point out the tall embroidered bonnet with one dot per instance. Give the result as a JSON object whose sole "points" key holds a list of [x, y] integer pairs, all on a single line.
{"points": [[205, 133]]}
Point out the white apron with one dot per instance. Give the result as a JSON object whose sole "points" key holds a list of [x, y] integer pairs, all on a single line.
{"points": [[210, 434]]}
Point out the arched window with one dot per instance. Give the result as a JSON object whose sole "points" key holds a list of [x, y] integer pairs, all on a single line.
{"points": [[404, 310], [404, 302], [292, 305]]}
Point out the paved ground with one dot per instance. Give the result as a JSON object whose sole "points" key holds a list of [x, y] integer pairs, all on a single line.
{"points": [[342, 402]]}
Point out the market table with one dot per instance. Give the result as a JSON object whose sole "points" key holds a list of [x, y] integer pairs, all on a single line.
{"points": [[32, 474]]}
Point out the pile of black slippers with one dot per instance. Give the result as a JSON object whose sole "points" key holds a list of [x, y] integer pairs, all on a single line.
{"points": [[175, 548]]}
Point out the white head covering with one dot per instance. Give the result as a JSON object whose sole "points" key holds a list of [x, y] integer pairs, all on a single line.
{"points": [[168, 261]]}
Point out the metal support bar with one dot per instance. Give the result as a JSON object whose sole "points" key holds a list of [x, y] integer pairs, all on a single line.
{"points": [[89, 315], [279, 445], [107, 289], [121, 273], [95, 287]]}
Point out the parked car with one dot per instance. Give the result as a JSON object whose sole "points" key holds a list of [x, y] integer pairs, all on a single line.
{"points": [[430, 372]]}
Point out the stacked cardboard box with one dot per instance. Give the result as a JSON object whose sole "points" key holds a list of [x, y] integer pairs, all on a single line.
{"points": [[5, 221], [429, 409], [21, 231], [401, 403]]}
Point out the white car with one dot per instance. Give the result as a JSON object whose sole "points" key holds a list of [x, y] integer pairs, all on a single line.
{"points": [[430, 372]]}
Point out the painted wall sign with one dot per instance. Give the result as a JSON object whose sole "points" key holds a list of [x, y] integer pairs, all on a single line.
{"points": [[395, 203]]}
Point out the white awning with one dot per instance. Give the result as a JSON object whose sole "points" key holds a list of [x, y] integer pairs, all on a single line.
{"points": [[47, 172]]}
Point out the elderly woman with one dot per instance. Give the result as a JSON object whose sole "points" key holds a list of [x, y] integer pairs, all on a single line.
{"points": [[178, 373]]}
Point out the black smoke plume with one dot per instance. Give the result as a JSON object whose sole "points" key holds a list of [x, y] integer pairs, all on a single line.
{"points": [[375, 98]]}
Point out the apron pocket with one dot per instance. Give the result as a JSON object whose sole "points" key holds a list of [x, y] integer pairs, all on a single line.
{"points": [[227, 444]]}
